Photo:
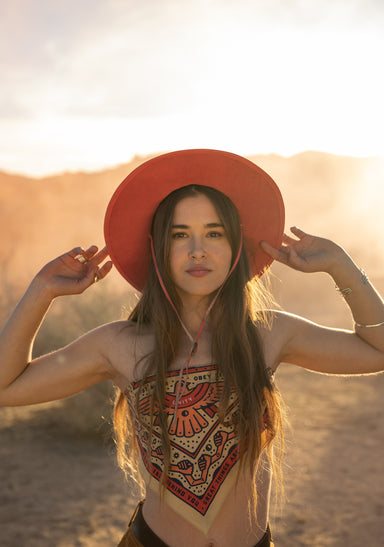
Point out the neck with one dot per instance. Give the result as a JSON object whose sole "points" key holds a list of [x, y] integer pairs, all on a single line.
{"points": [[203, 353], [193, 313]]}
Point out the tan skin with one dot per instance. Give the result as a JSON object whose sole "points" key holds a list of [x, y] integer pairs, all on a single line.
{"points": [[108, 352]]}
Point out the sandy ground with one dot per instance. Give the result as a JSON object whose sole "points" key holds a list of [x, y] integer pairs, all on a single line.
{"points": [[60, 486]]}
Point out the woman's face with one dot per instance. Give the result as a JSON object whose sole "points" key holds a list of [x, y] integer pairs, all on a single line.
{"points": [[200, 254]]}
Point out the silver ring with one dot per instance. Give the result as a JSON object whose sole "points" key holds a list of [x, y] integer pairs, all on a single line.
{"points": [[81, 259]]}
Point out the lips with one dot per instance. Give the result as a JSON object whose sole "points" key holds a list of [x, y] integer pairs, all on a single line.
{"points": [[198, 271]]}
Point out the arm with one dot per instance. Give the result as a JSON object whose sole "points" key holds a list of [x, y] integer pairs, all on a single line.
{"points": [[61, 373], [323, 349]]}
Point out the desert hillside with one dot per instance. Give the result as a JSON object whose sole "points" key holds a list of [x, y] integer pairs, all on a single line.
{"points": [[329, 194], [334, 196]]}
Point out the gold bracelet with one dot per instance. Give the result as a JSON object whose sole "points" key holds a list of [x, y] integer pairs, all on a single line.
{"points": [[369, 326]]}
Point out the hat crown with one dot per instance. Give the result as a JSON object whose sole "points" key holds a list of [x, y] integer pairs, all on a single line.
{"points": [[131, 209]]}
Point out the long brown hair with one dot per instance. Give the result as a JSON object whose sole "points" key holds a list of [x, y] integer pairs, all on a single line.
{"points": [[236, 344]]}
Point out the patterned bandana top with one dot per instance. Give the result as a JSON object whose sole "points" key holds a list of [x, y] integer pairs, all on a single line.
{"points": [[204, 451]]}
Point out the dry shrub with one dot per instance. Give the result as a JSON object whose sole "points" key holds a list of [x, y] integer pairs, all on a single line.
{"points": [[88, 412]]}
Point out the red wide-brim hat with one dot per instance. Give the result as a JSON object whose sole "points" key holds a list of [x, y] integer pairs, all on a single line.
{"points": [[129, 214]]}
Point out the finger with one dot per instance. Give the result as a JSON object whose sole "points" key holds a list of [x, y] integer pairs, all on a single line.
{"points": [[100, 273], [82, 255], [90, 252], [89, 255], [104, 270], [289, 240], [268, 248], [96, 258], [101, 255], [76, 252], [277, 254], [298, 233]]}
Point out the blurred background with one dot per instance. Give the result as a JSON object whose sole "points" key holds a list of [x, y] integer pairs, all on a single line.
{"points": [[89, 90]]}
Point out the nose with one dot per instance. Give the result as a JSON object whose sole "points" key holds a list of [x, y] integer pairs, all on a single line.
{"points": [[197, 251]]}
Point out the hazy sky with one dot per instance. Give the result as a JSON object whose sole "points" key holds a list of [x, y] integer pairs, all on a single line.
{"points": [[87, 84]]}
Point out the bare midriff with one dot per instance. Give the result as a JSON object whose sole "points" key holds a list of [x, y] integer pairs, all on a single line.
{"points": [[233, 525]]}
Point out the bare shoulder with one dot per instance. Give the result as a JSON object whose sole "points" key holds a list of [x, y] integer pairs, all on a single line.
{"points": [[107, 335], [125, 345], [276, 335]]}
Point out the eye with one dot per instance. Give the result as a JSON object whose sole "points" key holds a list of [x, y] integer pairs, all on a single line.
{"points": [[179, 235], [215, 234]]}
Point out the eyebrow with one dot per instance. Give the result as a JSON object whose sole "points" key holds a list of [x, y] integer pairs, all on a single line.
{"points": [[209, 225]]}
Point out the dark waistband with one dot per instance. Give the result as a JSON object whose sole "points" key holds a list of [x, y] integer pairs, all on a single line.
{"points": [[143, 532], [148, 538]]}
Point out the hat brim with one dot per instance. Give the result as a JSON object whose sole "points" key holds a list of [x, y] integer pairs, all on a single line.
{"points": [[129, 214]]}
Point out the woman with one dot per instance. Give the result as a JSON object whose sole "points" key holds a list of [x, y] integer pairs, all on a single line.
{"points": [[195, 361]]}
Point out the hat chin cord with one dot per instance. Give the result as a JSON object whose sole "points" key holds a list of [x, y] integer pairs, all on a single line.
{"points": [[194, 341]]}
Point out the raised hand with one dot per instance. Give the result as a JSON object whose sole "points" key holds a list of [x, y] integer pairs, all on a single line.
{"points": [[307, 253], [74, 272]]}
